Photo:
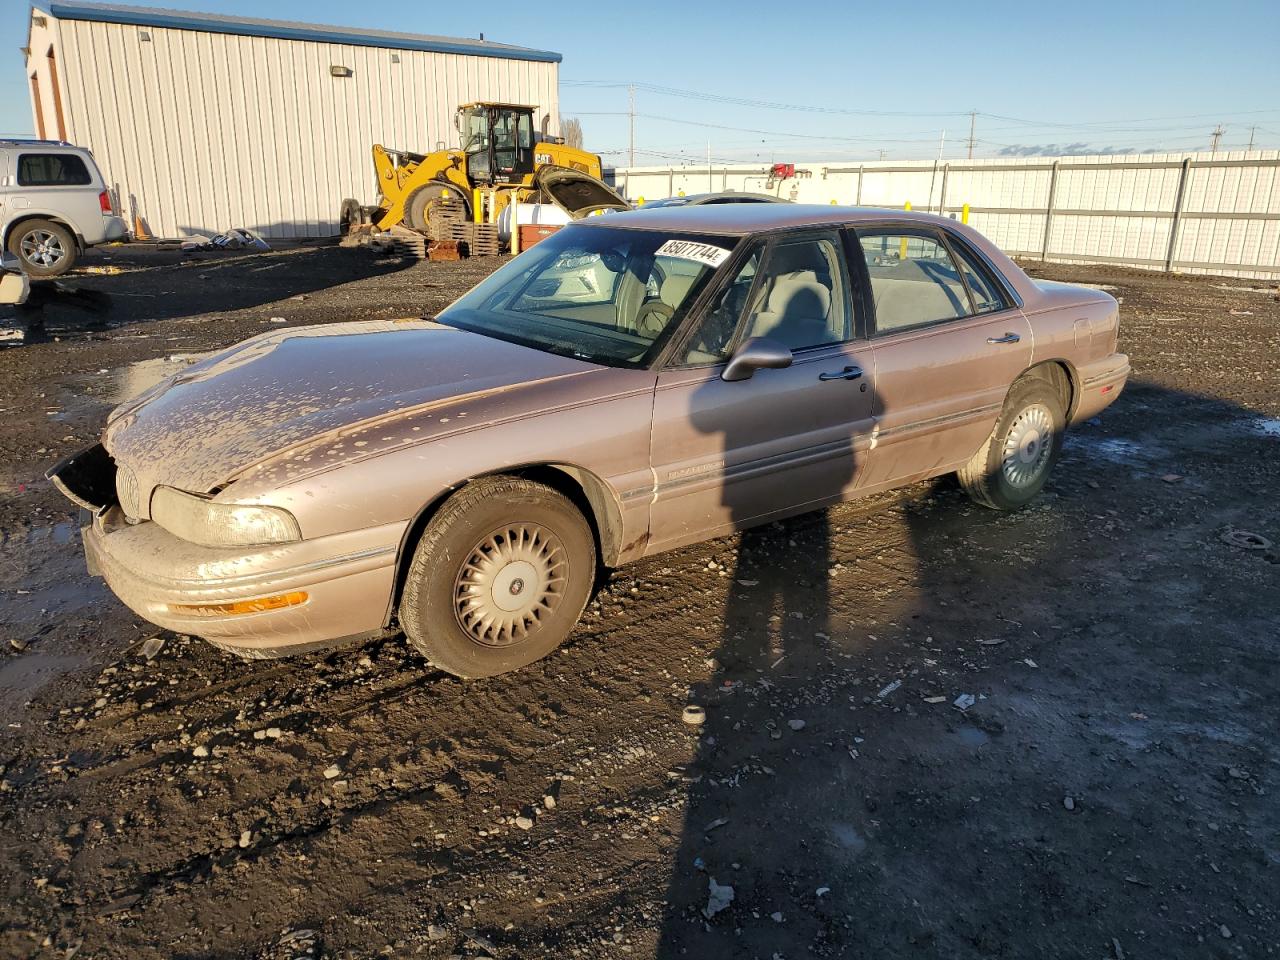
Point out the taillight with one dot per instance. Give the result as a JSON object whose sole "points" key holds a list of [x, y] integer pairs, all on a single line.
{"points": [[104, 201]]}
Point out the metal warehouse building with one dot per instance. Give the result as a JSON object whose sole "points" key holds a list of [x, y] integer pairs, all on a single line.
{"points": [[202, 122]]}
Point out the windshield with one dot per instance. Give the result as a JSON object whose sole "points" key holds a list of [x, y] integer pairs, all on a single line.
{"points": [[607, 295], [474, 127]]}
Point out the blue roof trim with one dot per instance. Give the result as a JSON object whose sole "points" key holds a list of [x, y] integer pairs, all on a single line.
{"points": [[282, 30]]}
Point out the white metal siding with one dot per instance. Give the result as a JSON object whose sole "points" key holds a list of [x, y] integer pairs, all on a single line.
{"points": [[1230, 219], [207, 131]]}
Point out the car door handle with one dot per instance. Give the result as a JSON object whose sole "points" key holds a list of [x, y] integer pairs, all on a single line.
{"points": [[1007, 338], [848, 373]]}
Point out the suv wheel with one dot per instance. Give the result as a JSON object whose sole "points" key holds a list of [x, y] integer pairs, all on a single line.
{"points": [[46, 249], [499, 578]]}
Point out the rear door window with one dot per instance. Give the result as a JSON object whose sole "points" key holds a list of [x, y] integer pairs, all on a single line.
{"points": [[52, 170], [987, 295], [914, 280]]}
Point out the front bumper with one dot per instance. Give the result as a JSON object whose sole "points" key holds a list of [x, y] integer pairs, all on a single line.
{"points": [[347, 578]]}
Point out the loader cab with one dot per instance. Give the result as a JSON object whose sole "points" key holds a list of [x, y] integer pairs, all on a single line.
{"points": [[497, 139]]}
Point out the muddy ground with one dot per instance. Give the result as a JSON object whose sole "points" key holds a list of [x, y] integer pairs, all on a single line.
{"points": [[1111, 792]]}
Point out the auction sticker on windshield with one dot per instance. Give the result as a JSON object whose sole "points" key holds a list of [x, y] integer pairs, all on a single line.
{"points": [[712, 256]]}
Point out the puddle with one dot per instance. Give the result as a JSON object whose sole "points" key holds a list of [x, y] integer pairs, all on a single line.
{"points": [[59, 533], [1267, 427], [123, 383], [972, 736], [24, 676], [43, 576], [848, 837], [1115, 449]]}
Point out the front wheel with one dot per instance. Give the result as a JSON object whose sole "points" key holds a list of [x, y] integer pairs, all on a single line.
{"points": [[499, 578], [1012, 466]]}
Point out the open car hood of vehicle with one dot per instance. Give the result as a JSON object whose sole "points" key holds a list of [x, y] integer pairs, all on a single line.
{"points": [[282, 391], [576, 193]]}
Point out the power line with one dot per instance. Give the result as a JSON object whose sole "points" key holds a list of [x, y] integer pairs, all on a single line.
{"points": [[632, 101], [810, 108], [772, 133]]}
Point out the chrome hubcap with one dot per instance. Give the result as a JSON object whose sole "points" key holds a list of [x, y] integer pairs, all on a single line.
{"points": [[512, 581], [42, 248], [1028, 445]]}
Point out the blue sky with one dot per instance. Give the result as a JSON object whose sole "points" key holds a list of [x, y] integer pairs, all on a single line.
{"points": [[849, 80]]}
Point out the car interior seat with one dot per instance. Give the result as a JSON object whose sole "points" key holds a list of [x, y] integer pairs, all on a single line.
{"points": [[797, 304]]}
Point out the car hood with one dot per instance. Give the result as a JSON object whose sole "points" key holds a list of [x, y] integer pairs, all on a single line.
{"points": [[577, 193], [281, 392]]}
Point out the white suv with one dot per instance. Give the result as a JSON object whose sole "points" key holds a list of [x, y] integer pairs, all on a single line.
{"points": [[53, 204]]}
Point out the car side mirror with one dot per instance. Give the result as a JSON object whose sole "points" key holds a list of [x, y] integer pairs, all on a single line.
{"points": [[756, 354]]}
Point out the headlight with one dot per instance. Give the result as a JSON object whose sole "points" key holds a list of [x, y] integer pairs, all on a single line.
{"points": [[221, 524]]}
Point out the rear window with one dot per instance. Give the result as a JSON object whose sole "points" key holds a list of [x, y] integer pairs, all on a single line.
{"points": [[52, 170]]}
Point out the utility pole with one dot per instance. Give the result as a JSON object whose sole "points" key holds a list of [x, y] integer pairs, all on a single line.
{"points": [[1218, 131], [973, 120], [710, 188], [882, 153], [1251, 132], [631, 93]]}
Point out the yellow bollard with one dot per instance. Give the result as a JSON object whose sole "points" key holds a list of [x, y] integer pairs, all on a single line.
{"points": [[639, 201], [833, 203], [902, 244], [477, 205], [680, 194], [964, 214]]}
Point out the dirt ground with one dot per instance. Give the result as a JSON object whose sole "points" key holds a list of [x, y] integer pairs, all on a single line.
{"points": [[1110, 792]]}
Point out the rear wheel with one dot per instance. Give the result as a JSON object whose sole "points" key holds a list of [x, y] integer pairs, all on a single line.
{"points": [[1013, 465], [350, 215], [499, 578], [45, 248]]}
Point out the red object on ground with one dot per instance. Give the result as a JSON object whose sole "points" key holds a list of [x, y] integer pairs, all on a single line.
{"points": [[532, 233]]}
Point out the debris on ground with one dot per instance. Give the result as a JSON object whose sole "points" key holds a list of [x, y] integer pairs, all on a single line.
{"points": [[886, 690], [694, 715], [1246, 540], [152, 647], [237, 238], [718, 898], [965, 701]]}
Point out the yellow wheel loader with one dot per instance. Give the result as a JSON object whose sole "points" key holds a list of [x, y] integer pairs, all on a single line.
{"points": [[500, 157]]}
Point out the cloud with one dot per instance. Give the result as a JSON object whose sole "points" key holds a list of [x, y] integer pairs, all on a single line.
{"points": [[1061, 150]]}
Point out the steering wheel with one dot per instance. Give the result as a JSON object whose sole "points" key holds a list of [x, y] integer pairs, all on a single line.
{"points": [[653, 317]]}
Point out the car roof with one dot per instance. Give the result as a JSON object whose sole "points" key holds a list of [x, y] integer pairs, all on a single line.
{"points": [[740, 219], [23, 143]]}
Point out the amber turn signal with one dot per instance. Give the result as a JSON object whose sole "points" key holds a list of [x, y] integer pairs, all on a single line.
{"points": [[261, 605]]}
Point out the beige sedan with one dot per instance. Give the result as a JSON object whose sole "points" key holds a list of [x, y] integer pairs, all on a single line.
{"points": [[637, 382]]}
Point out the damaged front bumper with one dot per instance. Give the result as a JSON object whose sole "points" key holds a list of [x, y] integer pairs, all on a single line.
{"points": [[261, 601]]}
